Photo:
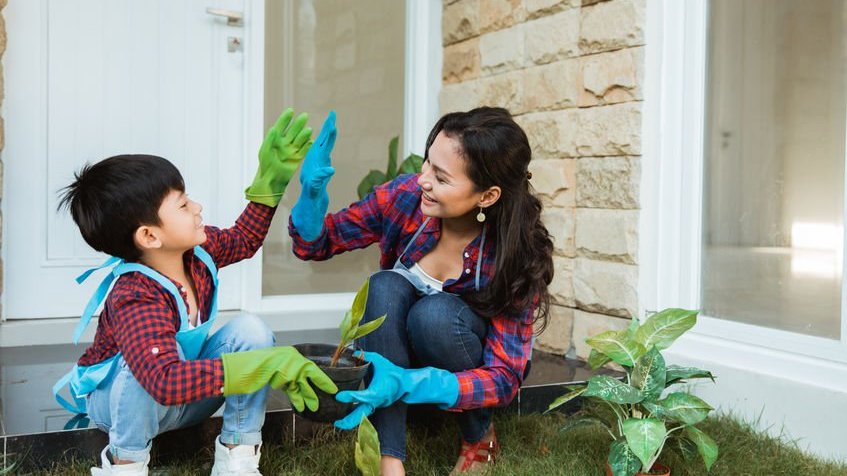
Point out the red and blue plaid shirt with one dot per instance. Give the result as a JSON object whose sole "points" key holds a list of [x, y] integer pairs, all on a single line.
{"points": [[390, 216], [140, 318]]}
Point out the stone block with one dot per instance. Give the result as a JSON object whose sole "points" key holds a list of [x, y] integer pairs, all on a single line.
{"points": [[553, 37], [540, 8], [552, 86], [556, 337], [551, 134], [550, 176], [610, 130], [561, 288], [460, 21], [459, 96], [503, 90], [560, 223], [502, 50], [461, 61], [607, 235], [499, 14], [609, 78], [612, 25], [586, 324], [606, 288], [608, 182]]}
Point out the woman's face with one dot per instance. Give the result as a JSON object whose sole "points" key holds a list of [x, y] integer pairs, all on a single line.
{"points": [[447, 190]]}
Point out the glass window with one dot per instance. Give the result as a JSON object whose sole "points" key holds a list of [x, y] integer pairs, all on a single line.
{"points": [[347, 56], [774, 164]]}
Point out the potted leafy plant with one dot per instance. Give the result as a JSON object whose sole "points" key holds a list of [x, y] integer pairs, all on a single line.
{"points": [[642, 419], [338, 362], [411, 165], [367, 449]]}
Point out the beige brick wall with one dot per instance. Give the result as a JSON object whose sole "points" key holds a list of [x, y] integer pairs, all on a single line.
{"points": [[2, 125], [572, 72]]}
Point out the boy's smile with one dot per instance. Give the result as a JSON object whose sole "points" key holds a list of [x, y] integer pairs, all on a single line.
{"points": [[181, 225]]}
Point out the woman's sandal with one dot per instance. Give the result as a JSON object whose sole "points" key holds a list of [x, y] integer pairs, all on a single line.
{"points": [[479, 452]]}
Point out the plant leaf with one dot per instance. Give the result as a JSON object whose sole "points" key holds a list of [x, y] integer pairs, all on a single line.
{"points": [[359, 303], [686, 447], [612, 390], [648, 375], [676, 373], [369, 327], [655, 410], [392, 158], [622, 460], [597, 359], [371, 180], [664, 327], [367, 449], [706, 446], [685, 408], [644, 436], [346, 328], [617, 346], [579, 422], [565, 399], [411, 165]]}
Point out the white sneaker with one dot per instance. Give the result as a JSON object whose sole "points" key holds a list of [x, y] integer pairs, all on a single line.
{"points": [[239, 461], [108, 469]]}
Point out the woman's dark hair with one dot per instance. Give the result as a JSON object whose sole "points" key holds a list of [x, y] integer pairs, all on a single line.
{"points": [[112, 198], [496, 152]]}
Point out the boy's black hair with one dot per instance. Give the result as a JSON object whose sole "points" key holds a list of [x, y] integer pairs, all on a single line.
{"points": [[109, 200]]}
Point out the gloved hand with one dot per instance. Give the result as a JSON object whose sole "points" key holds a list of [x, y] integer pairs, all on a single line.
{"points": [[308, 213], [281, 152], [391, 383], [249, 371]]}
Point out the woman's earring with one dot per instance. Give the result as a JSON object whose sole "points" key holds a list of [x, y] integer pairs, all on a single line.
{"points": [[480, 217]]}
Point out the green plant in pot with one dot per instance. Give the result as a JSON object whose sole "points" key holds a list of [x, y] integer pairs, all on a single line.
{"points": [[640, 416], [411, 165], [338, 362]]}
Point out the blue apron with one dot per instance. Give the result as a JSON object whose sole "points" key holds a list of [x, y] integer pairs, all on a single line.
{"points": [[423, 288], [82, 380]]}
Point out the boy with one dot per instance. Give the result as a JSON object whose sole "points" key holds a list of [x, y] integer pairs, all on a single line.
{"points": [[153, 366]]}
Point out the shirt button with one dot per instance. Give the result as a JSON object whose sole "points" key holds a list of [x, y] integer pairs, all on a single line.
{"points": [[468, 271], [467, 255], [154, 350]]}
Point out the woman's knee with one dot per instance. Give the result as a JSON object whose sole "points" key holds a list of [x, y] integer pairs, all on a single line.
{"points": [[250, 332], [445, 332]]}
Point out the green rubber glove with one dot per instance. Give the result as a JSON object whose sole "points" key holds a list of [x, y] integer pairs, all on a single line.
{"points": [[249, 371], [282, 151]]}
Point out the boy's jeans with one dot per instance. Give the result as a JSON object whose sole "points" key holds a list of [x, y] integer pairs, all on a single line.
{"points": [[121, 406], [431, 331]]}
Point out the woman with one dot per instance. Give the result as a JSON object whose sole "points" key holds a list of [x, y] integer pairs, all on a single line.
{"points": [[465, 266]]}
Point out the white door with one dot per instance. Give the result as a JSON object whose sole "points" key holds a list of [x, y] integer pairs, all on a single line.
{"points": [[93, 78]]}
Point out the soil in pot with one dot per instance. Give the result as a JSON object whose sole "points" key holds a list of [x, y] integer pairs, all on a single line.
{"points": [[347, 375], [658, 469]]}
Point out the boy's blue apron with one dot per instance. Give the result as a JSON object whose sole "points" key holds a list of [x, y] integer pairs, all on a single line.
{"points": [[427, 290], [82, 380]]}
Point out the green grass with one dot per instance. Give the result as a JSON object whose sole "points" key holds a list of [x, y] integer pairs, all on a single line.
{"points": [[531, 445]]}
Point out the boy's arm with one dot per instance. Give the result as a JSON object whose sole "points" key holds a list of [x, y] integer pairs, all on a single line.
{"points": [[242, 240]]}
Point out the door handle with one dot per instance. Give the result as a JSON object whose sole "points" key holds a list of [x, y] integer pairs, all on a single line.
{"points": [[233, 18]]}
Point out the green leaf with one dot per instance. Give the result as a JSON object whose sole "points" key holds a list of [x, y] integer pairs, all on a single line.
{"points": [[371, 180], [579, 422], [686, 447], [346, 328], [367, 449], [706, 446], [411, 165], [617, 346], [369, 327], [664, 327], [655, 410], [612, 390], [644, 437], [676, 374], [685, 408], [392, 158], [359, 303], [648, 375], [622, 460], [565, 399], [597, 359]]}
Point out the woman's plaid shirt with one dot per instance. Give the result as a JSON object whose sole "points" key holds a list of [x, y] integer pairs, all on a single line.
{"points": [[140, 318], [390, 216]]}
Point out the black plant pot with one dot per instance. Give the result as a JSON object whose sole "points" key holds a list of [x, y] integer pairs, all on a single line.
{"points": [[347, 375]]}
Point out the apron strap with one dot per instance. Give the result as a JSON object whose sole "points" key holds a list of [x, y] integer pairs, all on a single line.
{"points": [[156, 276], [479, 257], [79, 403], [98, 296], [414, 237]]}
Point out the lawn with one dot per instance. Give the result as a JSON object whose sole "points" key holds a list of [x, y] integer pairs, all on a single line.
{"points": [[531, 445]]}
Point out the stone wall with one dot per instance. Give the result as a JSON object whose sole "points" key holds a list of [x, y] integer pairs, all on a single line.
{"points": [[2, 127], [572, 73]]}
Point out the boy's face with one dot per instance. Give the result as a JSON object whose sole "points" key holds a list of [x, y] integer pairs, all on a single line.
{"points": [[181, 225]]}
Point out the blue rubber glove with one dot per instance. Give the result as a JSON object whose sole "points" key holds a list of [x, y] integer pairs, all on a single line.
{"points": [[308, 213], [391, 383]]}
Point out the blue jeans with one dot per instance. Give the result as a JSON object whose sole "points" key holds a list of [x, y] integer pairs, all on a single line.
{"points": [[431, 331], [124, 409]]}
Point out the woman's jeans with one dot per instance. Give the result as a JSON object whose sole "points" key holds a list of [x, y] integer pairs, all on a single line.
{"points": [[124, 409], [431, 331]]}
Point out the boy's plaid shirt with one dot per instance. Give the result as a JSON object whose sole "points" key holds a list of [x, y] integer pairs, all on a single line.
{"points": [[140, 318], [390, 216]]}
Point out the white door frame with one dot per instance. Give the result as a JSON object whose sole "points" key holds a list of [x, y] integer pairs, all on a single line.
{"points": [[787, 380], [422, 85]]}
